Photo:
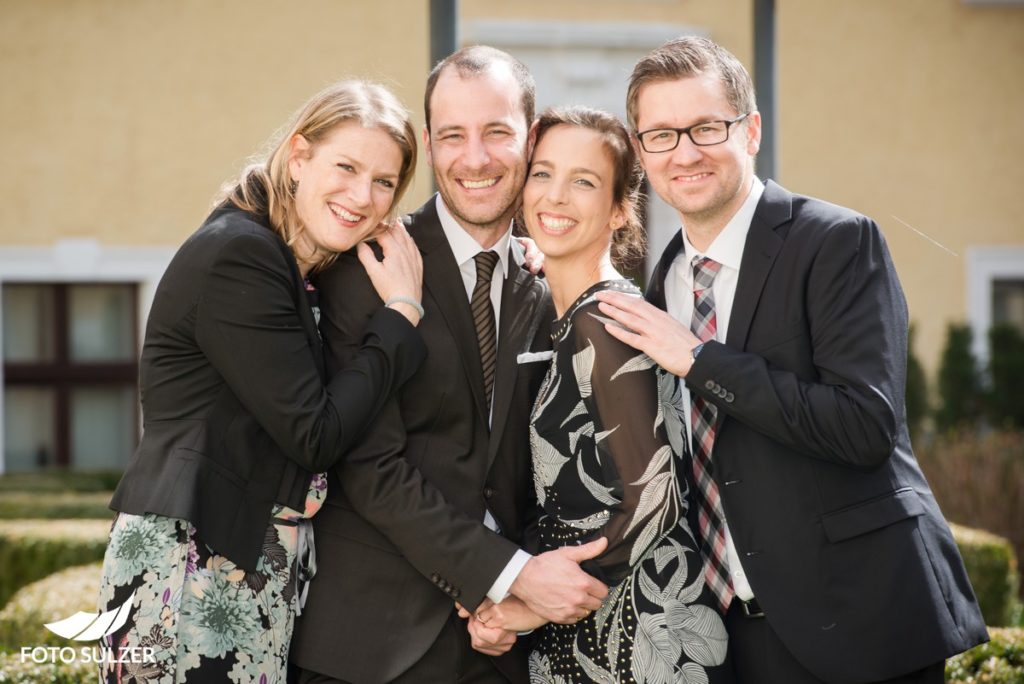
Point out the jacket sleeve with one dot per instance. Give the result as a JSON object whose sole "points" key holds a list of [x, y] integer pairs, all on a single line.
{"points": [[632, 446], [444, 544], [850, 409], [248, 326]]}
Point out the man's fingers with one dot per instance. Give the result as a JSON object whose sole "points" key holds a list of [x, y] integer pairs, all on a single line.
{"points": [[624, 317], [586, 551], [623, 335]]}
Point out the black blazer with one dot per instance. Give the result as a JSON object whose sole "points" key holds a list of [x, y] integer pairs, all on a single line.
{"points": [[237, 410], [838, 531], [402, 538]]}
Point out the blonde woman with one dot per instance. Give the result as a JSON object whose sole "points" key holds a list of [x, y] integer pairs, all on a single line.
{"points": [[212, 545]]}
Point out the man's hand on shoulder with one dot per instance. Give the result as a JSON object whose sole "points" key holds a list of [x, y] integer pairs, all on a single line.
{"points": [[554, 586], [647, 328]]}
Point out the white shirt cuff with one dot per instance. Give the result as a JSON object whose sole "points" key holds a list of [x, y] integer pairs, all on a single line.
{"points": [[499, 590]]}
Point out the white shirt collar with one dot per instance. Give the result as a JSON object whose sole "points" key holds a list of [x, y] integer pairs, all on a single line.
{"points": [[463, 245], [727, 248]]}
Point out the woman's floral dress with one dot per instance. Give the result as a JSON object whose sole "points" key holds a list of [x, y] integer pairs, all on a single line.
{"points": [[609, 459], [205, 619]]}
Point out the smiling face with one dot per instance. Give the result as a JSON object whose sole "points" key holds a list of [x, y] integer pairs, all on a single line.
{"points": [[706, 185], [568, 200], [478, 144], [346, 186]]}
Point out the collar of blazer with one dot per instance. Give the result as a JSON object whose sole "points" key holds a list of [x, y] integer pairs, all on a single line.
{"points": [[764, 240], [298, 287], [521, 298]]}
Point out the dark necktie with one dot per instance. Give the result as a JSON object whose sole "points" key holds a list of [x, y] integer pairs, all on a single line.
{"points": [[711, 519], [483, 319]]}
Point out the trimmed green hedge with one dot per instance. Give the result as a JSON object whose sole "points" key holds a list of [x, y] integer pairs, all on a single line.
{"points": [[57, 480], [1000, 661], [992, 566], [33, 549], [52, 598], [52, 506]]}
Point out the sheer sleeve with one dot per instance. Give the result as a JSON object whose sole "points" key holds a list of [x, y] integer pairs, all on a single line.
{"points": [[638, 462]]}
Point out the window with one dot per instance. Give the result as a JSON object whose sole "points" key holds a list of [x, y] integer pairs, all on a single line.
{"points": [[995, 291], [1008, 302], [70, 373]]}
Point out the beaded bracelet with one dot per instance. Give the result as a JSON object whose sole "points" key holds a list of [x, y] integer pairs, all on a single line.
{"points": [[407, 300]]}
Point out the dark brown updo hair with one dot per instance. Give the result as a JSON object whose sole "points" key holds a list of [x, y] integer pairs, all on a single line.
{"points": [[628, 242]]}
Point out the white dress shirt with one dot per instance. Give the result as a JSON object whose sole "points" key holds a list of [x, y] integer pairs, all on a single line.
{"points": [[727, 249], [465, 248]]}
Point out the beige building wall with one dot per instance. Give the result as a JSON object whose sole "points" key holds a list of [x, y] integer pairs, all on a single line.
{"points": [[909, 111], [120, 119]]}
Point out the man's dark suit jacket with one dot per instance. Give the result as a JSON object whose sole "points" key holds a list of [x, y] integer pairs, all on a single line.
{"points": [[836, 527], [400, 537], [237, 410]]}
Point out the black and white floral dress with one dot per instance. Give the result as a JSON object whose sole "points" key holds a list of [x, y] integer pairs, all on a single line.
{"points": [[609, 459]]}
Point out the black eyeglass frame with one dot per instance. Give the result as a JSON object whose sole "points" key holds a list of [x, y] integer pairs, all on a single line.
{"points": [[679, 133]]}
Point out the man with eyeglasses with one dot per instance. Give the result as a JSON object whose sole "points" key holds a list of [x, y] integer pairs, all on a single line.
{"points": [[822, 541]]}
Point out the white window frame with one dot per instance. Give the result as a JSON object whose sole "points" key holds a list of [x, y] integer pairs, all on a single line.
{"points": [[985, 265], [83, 260]]}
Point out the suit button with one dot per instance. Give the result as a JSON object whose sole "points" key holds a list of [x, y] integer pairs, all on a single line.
{"points": [[435, 578], [488, 492], [710, 384], [729, 397], [444, 585], [455, 593]]}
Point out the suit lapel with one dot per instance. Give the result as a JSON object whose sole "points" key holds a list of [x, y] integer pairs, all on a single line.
{"points": [[520, 304], [443, 281], [762, 246], [309, 323], [656, 288]]}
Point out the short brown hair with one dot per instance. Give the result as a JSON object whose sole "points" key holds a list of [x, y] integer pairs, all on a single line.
{"points": [[477, 59], [689, 56], [627, 242]]}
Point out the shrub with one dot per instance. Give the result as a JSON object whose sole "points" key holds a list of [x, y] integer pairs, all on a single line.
{"points": [[13, 671], [1005, 404], [1000, 661], [916, 395], [58, 480], [992, 567], [960, 393], [55, 505], [33, 549], [52, 598], [979, 481]]}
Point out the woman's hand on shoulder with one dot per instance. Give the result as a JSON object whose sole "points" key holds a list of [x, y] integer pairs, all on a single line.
{"points": [[398, 277]]}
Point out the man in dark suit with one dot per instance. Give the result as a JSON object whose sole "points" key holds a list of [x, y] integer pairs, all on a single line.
{"points": [[821, 537], [435, 505]]}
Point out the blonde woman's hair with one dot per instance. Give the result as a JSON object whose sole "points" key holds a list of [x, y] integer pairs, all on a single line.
{"points": [[265, 187]]}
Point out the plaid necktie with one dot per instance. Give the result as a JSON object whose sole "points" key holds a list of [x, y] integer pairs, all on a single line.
{"points": [[702, 417], [483, 319]]}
